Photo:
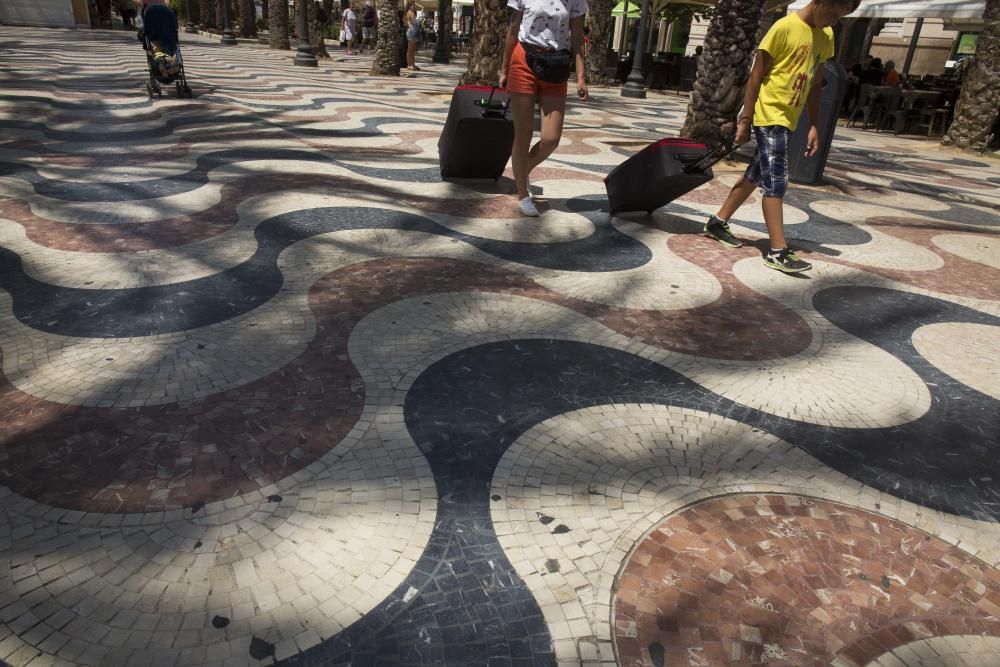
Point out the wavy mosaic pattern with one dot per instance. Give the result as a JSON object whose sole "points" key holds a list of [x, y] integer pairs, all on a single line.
{"points": [[272, 393]]}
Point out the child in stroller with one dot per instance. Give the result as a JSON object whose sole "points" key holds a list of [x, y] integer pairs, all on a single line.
{"points": [[163, 54]]}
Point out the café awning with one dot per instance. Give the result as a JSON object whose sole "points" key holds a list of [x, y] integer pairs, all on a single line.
{"points": [[904, 9], [634, 8]]}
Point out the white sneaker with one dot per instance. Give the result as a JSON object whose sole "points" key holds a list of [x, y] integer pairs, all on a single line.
{"points": [[528, 208]]}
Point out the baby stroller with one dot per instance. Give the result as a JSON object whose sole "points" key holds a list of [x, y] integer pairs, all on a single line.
{"points": [[163, 53]]}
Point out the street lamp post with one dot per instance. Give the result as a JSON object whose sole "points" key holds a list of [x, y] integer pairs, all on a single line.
{"points": [[188, 23], [635, 85], [228, 38], [441, 48], [304, 53]]}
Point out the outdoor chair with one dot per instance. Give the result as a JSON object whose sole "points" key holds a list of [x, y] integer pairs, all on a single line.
{"points": [[862, 107], [871, 110], [894, 114], [623, 69], [659, 75], [933, 116], [689, 71], [674, 75]]}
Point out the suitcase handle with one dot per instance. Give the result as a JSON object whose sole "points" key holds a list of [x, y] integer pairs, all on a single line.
{"points": [[713, 156], [491, 109]]}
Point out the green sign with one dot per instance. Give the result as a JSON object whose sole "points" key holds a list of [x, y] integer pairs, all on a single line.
{"points": [[967, 44]]}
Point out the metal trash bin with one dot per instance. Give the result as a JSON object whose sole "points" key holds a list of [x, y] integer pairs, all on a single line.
{"points": [[809, 170]]}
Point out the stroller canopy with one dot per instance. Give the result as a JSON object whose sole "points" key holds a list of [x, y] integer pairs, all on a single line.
{"points": [[160, 25]]}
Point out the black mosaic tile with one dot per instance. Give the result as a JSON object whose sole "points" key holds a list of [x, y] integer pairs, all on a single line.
{"points": [[111, 313]]}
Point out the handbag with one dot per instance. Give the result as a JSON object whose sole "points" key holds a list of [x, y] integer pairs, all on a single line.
{"points": [[549, 66]]}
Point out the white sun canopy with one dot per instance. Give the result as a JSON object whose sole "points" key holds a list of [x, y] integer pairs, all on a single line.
{"points": [[903, 9]]}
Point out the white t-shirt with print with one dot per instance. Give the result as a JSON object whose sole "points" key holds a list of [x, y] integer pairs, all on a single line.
{"points": [[545, 23]]}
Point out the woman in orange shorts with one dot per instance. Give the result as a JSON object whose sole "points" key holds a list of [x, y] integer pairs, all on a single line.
{"points": [[542, 39]]}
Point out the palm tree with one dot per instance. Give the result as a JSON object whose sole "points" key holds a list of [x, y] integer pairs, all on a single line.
{"points": [[387, 42], [600, 30], [278, 26], [317, 29], [263, 11], [195, 17], [979, 100], [209, 21], [723, 71], [248, 18], [487, 46]]}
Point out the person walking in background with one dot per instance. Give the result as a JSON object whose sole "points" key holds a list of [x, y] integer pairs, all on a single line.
{"points": [[128, 13], [412, 35], [350, 27], [782, 82], [542, 39], [368, 26]]}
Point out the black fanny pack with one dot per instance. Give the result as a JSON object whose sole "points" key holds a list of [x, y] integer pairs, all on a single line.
{"points": [[548, 66]]}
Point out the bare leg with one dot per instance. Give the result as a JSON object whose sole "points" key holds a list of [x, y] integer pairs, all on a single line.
{"points": [[411, 52], [739, 194], [774, 217], [553, 109], [522, 109]]}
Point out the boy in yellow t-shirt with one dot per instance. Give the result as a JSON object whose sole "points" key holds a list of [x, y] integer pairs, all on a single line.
{"points": [[782, 82]]}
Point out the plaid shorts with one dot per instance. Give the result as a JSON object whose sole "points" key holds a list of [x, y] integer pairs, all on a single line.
{"points": [[769, 167]]}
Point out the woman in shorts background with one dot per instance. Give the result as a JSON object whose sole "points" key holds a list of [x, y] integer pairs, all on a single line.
{"points": [[412, 35], [542, 27]]}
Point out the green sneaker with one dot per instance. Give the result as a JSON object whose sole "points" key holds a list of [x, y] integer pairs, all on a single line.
{"points": [[718, 229], [786, 261]]}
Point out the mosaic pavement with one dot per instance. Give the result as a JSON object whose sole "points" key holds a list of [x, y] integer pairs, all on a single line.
{"points": [[272, 393]]}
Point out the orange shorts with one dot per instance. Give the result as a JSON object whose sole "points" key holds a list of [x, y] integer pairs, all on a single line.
{"points": [[521, 78]]}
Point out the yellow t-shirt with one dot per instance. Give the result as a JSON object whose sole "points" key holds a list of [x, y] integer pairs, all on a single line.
{"points": [[796, 51]]}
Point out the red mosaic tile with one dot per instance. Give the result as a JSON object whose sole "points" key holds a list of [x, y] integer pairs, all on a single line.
{"points": [[808, 598]]}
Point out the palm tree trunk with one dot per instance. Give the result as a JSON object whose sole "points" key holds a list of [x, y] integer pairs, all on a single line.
{"points": [[980, 97], [486, 50], [278, 25], [263, 11], [248, 18], [443, 24], [209, 21], [317, 31], [723, 71], [600, 28], [195, 17], [387, 43]]}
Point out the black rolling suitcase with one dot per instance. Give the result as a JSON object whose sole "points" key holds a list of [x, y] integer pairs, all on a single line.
{"points": [[660, 173], [478, 136]]}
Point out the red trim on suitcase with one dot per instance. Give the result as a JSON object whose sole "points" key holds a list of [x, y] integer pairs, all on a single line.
{"points": [[676, 142], [485, 88], [679, 142]]}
